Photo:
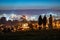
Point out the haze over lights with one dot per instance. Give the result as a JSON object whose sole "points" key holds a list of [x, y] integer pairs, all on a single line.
{"points": [[31, 17]]}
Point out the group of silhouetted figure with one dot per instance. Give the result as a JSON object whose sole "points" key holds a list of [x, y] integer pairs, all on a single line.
{"points": [[40, 22], [44, 21]]}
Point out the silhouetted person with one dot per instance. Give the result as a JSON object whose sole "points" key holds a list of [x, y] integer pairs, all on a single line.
{"points": [[44, 21], [50, 22], [40, 21]]}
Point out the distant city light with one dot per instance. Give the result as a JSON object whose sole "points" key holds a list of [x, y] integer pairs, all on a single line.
{"points": [[13, 16]]}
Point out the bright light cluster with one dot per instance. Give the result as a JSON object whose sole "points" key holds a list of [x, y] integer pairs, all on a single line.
{"points": [[13, 16]]}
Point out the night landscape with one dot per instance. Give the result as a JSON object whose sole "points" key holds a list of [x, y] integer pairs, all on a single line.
{"points": [[29, 19]]}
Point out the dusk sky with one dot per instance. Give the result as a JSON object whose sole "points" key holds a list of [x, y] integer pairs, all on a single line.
{"points": [[33, 8], [28, 4]]}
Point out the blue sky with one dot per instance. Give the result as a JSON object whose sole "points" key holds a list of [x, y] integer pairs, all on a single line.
{"points": [[22, 4]]}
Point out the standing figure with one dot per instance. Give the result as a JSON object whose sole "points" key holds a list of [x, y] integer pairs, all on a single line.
{"points": [[40, 22], [44, 22], [50, 22]]}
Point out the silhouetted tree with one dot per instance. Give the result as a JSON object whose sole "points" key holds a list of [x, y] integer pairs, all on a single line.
{"points": [[50, 22], [44, 21], [40, 21]]}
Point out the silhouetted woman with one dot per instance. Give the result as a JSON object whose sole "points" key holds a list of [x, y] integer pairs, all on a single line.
{"points": [[44, 21], [40, 21]]}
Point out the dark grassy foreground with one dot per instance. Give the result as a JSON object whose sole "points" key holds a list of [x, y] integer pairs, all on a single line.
{"points": [[31, 35]]}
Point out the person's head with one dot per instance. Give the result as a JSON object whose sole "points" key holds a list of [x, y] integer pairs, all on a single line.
{"points": [[50, 15], [40, 15], [44, 15]]}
